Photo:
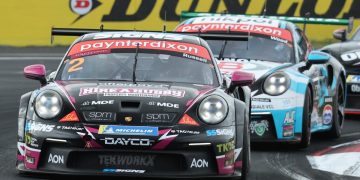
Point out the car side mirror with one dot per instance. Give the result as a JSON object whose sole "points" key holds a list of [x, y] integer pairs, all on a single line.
{"points": [[36, 72], [318, 57], [340, 34], [240, 78]]}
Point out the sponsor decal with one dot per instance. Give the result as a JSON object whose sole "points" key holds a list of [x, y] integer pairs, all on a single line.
{"points": [[128, 118], [235, 20], [99, 116], [132, 92], [350, 56], [187, 120], [136, 35], [158, 117], [220, 132], [127, 141], [71, 117], [133, 85], [259, 128], [261, 99], [262, 107], [289, 118], [274, 32], [164, 104], [226, 147], [328, 99], [288, 130], [178, 47], [56, 159], [327, 114], [180, 131], [128, 130], [288, 126], [199, 163], [229, 158], [353, 79], [127, 160], [30, 159], [37, 126], [355, 88], [31, 141], [74, 128], [279, 39], [88, 103], [124, 171], [81, 7]]}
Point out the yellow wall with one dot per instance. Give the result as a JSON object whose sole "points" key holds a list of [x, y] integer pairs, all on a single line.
{"points": [[28, 22]]}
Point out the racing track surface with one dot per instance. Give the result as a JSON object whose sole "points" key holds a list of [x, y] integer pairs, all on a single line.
{"points": [[268, 162]]}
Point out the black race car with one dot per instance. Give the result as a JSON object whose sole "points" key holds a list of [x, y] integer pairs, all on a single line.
{"points": [[135, 104], [348, 53]]}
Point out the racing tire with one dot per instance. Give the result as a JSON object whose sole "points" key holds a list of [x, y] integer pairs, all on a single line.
{"points": [[306, 123], [338, 117], [246, 150]]}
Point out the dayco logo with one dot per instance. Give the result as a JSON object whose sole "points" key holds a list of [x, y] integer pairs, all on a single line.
{"points": [[34, 126], [351, 56], [128, 141], [355, 88], [56, 159], [87, 103], [199, 163], [120, 9], [223, 148], [127, 160]]}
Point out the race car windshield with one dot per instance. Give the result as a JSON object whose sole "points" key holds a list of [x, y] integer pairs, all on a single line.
{"points": [[150, 67], [256, 48]]}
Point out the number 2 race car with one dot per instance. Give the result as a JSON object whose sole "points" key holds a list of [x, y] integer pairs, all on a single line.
{"points": [[297, 91], [135, 104], [348, 53]]}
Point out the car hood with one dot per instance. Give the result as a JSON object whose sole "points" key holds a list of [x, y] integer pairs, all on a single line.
{"points": [[257, 67], [135, 104]]}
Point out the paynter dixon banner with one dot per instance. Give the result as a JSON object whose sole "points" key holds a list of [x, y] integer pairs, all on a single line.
{"points": [[28, 22]]}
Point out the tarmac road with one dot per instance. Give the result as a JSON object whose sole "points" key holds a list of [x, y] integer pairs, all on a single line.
{"points": [[268, 161]]}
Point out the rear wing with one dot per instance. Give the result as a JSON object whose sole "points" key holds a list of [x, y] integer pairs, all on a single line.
{"points": [[80, 32], [303, 20]]}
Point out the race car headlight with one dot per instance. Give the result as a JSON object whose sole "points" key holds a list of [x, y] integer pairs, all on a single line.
{"points": [[48, 104], [277, 84], [213, 109]]}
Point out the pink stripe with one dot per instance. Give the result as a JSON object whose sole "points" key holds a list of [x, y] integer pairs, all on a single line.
{"points": [[221, 167], [33, 154], [92, 130], [161, 132], [238, 164], [20, 157], [201, 93]]}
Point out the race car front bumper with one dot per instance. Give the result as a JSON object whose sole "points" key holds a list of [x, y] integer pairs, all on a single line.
{"points": [[184, 156]]}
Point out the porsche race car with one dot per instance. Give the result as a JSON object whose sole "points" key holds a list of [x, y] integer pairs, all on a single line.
{"points": [[348, 53], [135, 104], [297, 91]]}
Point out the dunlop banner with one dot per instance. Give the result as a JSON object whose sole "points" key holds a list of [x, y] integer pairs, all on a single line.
{"points": [[28, 22]]}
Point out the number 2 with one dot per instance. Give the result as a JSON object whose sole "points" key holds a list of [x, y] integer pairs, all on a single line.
{"points": [[75, 64]]}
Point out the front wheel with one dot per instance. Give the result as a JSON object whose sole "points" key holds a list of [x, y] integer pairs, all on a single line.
{"points": [[338, 113], [306, 123]]}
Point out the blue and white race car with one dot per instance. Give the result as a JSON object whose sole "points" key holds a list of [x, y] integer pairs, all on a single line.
{"points": [[297, 91]]}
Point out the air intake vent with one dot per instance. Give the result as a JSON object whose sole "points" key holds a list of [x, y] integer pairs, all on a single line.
{"points": [[130, 105]]}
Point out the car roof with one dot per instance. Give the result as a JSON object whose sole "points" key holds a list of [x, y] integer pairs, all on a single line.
{"points": [[142, 35]]}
